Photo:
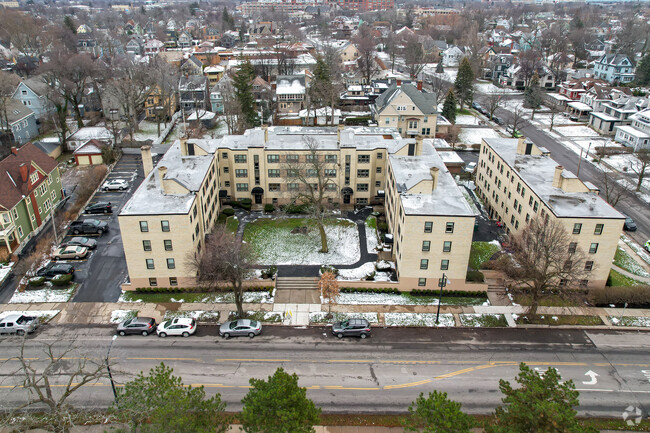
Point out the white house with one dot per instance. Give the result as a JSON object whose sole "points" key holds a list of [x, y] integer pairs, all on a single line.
{"points": [[614, 68], [452, 56], [637, 134]]}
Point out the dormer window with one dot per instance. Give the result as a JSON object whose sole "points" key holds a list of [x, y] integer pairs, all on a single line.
{"points": [[34, 177]]}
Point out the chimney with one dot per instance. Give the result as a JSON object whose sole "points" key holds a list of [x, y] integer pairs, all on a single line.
{"points": [[339, 129], [183, 141], [147, 161], [14, 150], [420, 85], [418, 145], [521, 146], [399, 83], [162, 171], [265, 128], [557, 176], [24, 171], [435, 171]]}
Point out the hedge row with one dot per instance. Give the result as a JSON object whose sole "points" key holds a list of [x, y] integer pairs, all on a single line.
{"points": [[454, 293], [244, 203], [391, 290], [199, 289], [475, 276], [634, 296]]}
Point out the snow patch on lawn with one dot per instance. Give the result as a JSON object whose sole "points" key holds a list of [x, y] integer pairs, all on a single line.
{"points": [[361, 272], [418, 319], [198, 315], [637, 249], [119, 316], [576, 131], [42, 295], [643, 322], [4, 270], [371, 239], [482, 320], [466, 119], [319, 317], [43, 315]]}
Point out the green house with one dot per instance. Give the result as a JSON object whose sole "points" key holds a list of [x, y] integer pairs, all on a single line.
{"points": [[30, 187]]}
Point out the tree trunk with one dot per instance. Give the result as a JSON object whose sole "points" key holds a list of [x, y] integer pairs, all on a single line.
{"points": [[77, 115], [532, 116], [323, 237], [239, 295], [158, 122]]}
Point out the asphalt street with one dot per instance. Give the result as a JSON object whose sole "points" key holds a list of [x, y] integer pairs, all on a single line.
{"points": [[382, 374]]}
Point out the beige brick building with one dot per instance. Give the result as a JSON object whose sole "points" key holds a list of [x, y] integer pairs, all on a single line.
{"points": [[407, 108], [168, 216], [519, 181]]}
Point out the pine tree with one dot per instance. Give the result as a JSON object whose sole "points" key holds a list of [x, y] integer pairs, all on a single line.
{"points": [[437, 414], [439, 69], [643, 71], [533, 95], [321, 90], [449, 106], [244, 94], [464, 84]]}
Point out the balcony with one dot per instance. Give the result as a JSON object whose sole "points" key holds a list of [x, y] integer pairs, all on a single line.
{"points": [[7, 229]]}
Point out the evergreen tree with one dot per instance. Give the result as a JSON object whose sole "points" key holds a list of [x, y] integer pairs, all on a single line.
{"points": [[242, 81], [464, 84], [437, 414], [278, 405], [542, 403], [643, 71], [228, 22], [533, 95], [439, 69], [69, 23], [449, 106], [321, 88]]}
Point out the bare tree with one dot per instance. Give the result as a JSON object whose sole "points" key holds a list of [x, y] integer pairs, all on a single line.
{"points": [[365, 43], [516, 119], [530, 63], [129, 87], [494, 101], [8, 84], [23, 31], [554, 111], [639, 165], [165, 81], [612, 191], [439, 88], [329, 288], [453, 135], [414, 56], [52, 378], [316, 180], [542, 259], [224, 258]]}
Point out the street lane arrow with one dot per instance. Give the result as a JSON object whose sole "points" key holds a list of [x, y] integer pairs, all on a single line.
{"points": [[593, 376]]}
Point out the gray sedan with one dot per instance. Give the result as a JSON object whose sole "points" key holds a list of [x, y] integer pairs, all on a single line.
{"points": [[237, 328]]}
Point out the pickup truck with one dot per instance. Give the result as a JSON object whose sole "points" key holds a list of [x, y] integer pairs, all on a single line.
{"points": [[18, 324], [89, 227]]}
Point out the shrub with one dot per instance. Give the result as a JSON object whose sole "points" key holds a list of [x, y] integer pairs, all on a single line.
{"points": [[382, 226], [37, 281], [327, 268], [370, 276], [635, 296], [475, 276], [269, 208], [62, 280], [228, 211], [293, 208], [270, 272]]}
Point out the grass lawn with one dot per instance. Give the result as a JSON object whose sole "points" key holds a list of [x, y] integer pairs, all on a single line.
{"points": [[552, 300], [616, 279], [371, 222], [483, 320], [625, 261], [207, 297], [260, 316], [465, 111], [274, 244], [232, 224], [481, 252], [559, 320]]}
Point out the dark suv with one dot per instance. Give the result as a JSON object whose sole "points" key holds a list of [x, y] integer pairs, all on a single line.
{"points": [[54, 269], [99, 207], [352, 328]]}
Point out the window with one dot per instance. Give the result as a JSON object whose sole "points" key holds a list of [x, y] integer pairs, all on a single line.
{"points": [[535, 207], [226, 170], [589, 265], [378, 184], [599, 229], [446, 247], [424, 263], [428, 226], [274, 187], [150, 264], [173, 281], [240, 159], [577, 227], [146, 245], [164, 225], [272, 159], [293, 172], [363, 159], [362, 201], [330, 172], [20, 232], [241, 172], [226, 184], [401, 108], [593, 248], [153, 281], [444, 265], [144, 226], [311, 158], [293, 158], [242, 187], [449, 228], [330, 159], [274, 172], [330, 187], [426, 245], [171, 264], [422, 281], [168, 245], [361, 187], [379, 155], [413, 124], [310, 172], [363, 173], [378, 170], [293, 186]]}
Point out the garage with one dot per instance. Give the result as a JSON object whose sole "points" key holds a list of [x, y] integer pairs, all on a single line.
{"points": [[89, 153]]}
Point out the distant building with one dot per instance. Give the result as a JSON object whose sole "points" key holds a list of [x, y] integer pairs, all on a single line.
{"points": [[614, 68], [637, 134], [407, 108], [21, 122], [32, 92]]}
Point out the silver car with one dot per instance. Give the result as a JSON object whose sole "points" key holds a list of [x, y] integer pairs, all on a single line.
{"points": [[238, 328], [18, 324]]}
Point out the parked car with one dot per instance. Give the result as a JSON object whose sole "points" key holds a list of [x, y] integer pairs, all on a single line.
{"points": [[70, 252], [476, 106], [82, 242], [181, 326], [19, 324], [88, 227], [470, 167], [237, 328], [629, 224], [137, 325], [352, 328], [99, 207], [498, 120], [54, 269], [647, 246], [115, 185]]}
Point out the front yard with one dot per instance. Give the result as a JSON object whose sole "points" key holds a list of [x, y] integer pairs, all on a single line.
{"points": [[296, 241]]}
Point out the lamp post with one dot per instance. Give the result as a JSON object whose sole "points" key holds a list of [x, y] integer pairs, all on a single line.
{"points": [[442, 283], [580, 159], [108, 368]]}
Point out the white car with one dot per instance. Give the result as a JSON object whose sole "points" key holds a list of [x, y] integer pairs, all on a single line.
{"points": [[470, 167], [181, 326], [116, 185]]}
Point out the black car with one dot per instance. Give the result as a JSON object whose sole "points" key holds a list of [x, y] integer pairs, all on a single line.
{"points": [[476, 106], [498, 120], [81, 242], [629, 225], [99, 207], [352, 328], [54, 269]]}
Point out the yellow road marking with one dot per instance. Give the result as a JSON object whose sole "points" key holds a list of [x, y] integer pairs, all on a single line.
{"points": [[349, 360], [168, 359], [252, 360]]}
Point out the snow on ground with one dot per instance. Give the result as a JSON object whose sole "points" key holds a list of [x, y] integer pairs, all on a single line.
{"points": [[643, 322], [630, 264], [482, 320], [42, 295], [4, 270], [576, 131], [198, 315], [401, 299], [466, 119], [637, 249], [544, 119], [278, 246], [119, 316], [361, 272], [148, 131], [43, 315], [490, 88], [418, 319], [471, 136], [320, 317], [210, 298], [371, 240]]}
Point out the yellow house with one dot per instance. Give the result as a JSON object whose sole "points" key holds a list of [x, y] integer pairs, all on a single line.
{"points": [[407, 108], [519, 181], [348, 53], [155, 102], [214, 74]]}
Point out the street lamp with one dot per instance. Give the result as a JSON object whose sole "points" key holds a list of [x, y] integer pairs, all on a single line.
{"points": [[580, 159], [442, 283], [108, 368]]}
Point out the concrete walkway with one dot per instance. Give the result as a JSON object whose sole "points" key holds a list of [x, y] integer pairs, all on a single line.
{"points": [[631, 275]]}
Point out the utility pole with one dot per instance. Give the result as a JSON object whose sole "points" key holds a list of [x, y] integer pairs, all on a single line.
{"points": [[442, 283], [108, 368]]}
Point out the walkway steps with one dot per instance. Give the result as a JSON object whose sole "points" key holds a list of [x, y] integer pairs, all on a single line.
{"points": [[296, 283]]}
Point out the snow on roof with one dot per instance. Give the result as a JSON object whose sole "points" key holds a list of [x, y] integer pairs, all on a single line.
{"points": [[91, 132], [202, 114], [211, 69], [580, 106], [450, 157], [537, 171], [290, 86]]}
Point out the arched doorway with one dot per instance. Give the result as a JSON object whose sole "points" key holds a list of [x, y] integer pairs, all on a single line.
{"points": [[347, 194], [257, 194]]}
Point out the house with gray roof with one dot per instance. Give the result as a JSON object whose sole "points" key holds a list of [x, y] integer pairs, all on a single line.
{"points": [[32, 93], [614, 68], [21, 121], [408, 108]]}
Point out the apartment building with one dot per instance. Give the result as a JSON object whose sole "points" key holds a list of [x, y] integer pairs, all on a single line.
{"points": [[407, 108], [519, 181], [168, 216]]}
